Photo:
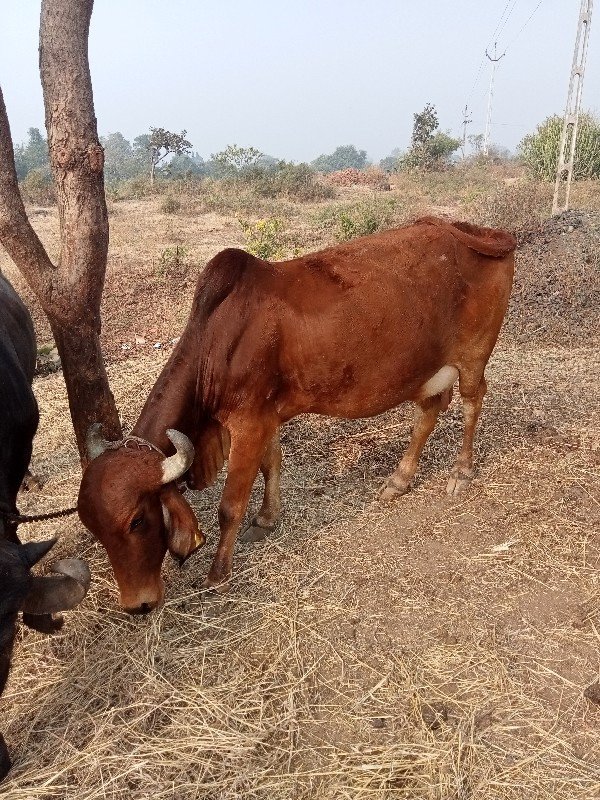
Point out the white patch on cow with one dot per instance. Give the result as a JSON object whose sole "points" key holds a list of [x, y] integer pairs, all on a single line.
{"points": [[443, 257], [443, 379], [166, 517]]}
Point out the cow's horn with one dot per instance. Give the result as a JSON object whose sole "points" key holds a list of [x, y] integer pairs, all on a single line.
{"points": [[95, 445], [174, 466], [61, 591]]}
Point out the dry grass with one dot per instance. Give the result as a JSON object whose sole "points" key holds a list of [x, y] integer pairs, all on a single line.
{"points": [[434, 649], [431, 649]]}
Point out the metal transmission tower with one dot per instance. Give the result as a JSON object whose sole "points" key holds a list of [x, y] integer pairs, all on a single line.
{"points": [[488, 122], [566, 152]]}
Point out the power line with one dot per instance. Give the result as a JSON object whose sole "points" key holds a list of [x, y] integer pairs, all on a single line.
{"points": [[507, 18], [525, 24]]}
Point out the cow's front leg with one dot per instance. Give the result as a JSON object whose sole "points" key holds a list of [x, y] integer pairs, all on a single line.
{"points": [[248, 445], [267, 518]]}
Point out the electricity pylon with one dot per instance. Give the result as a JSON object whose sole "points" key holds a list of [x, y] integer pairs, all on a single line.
{"points": [[488, 122], [566, 152]]}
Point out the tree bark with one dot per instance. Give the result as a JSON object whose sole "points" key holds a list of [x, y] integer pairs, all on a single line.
{"points": [[70, 292]]}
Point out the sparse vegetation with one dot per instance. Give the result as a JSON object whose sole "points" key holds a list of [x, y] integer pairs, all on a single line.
{"points": [[173, 261], [170, 205]]}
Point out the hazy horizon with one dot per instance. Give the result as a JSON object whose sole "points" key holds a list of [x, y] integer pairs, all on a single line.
{"points": [[300, 80]]}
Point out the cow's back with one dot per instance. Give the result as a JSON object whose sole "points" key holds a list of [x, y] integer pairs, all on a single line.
{"points": [[354, 329]]}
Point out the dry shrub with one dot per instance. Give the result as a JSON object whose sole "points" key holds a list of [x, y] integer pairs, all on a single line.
{"points": [[170, 205], [519, 207], [372, 176]]}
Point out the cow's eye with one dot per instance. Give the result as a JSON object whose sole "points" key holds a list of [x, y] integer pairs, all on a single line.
{"points": [[136, 523]]}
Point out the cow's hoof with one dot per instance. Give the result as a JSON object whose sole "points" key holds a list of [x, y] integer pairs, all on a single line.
{"points": [[256, 533], [392, 489], [5, 762], [44, 623], [458, 483]]}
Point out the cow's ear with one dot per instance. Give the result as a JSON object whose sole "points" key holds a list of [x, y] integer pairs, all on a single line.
{"points": [[184, 536]]}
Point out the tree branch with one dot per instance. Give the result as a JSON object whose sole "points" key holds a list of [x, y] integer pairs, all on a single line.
{"points": [[16, 234]]}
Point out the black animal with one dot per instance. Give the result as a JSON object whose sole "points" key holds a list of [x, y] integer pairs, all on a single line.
{"points": [[38, 597]]}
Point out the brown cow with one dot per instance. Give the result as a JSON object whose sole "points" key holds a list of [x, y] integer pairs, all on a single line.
{"points": [[350, 332]]}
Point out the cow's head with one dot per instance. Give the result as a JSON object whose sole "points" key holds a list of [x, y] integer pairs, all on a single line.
{"points": [[129, 501]]}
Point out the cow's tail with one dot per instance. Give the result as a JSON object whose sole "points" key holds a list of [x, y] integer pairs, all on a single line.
{"points": [[494, 242]]}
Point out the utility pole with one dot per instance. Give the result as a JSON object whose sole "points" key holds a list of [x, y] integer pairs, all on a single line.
{"points": [[488, 122], [465, 122], [566, 152]]}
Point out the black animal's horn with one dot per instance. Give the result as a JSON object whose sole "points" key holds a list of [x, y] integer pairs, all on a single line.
{"points": [[32, 552], [174, 466], [95, 445], [59, 592]]}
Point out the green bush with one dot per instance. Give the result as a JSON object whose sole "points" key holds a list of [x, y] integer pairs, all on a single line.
{"points": [[294, 181], [37, 187], [357, 219], [264, 238], [540, 150], [133, 189]]}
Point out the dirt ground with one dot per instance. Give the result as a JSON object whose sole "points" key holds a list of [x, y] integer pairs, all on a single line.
{"points": [[436, 648]]}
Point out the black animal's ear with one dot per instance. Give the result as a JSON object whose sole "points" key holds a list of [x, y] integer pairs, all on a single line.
{"points": [[32, 552]]}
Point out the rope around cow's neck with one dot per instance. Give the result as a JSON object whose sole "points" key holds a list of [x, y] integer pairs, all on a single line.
{"points": [[11, 516]]}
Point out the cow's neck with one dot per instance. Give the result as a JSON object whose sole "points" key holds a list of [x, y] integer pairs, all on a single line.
{"points": [[170, 404]]}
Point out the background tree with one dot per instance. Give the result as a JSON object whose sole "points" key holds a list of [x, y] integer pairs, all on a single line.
{"points": [[120, 161], [476, 142], [70, 291], [342, 157], [539, 150], [32, 155], [162, 143], [430, 148], [184, 166], [390, 163], [233, 159]]}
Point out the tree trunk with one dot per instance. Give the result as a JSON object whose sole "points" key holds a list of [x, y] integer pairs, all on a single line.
{"points": [[70, 293]]}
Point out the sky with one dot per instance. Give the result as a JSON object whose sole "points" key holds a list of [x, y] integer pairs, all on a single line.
{"points": [[297, 78]]}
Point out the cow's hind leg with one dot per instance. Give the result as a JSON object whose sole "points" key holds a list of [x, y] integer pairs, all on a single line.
{"points": [[267, 518], [248, 446], [425, 417], [472, 391]]}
